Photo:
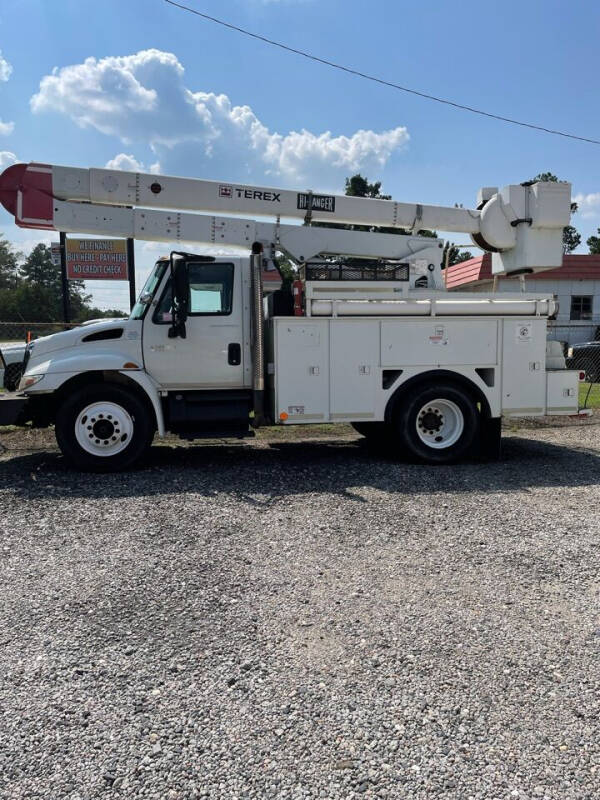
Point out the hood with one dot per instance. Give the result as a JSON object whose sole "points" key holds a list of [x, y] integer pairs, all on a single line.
{"points": [[106, 330]]}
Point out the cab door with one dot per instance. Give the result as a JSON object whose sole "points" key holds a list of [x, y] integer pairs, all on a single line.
{"points": [[211, 356]]}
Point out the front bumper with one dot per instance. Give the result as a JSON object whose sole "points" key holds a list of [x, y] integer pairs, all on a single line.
{"points": [[14, 409]]}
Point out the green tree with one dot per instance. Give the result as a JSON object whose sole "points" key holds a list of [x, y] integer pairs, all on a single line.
{"points": [[594, 244], [32, 292], [571, 236], [9, 265], [358, 186], [43, 281], [571, 239], [456, 256], [287, 270], [91, 312]]}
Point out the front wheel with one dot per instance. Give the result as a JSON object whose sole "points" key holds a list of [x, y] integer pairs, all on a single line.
{"points": [[104, 428], [438, 424]]}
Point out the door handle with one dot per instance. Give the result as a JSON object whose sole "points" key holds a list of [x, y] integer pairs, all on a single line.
{"points": [[234, 354]]}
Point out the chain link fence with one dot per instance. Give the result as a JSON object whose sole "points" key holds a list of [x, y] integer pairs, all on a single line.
{"points": [[15, 332], [581, 347], [13, 338]]}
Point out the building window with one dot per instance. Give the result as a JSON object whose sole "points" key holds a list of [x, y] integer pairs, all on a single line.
{"points": [[581, 306]]}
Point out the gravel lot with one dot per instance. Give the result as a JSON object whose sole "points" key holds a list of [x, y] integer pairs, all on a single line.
{"points": [[282, 619]]}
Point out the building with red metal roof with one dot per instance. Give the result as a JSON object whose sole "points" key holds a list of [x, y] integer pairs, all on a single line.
{"points": [[576, 285]]}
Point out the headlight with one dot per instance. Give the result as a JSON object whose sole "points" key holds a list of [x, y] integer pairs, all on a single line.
{"points": [[570, 352], [27, 381]]}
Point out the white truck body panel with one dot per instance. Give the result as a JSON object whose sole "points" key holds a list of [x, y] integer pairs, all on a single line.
{"points": [[332, 369], [439, 342]]}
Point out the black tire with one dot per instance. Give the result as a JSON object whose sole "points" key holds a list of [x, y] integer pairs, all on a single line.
{"points": [[373, 431], [415, 413], [142, 427], [12, 376]]}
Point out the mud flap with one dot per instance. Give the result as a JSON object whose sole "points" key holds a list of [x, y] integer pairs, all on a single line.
{"points": [[13, 409]]}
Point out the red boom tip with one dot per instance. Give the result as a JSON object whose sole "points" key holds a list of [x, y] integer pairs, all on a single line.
{"points": [[11, 180], [26, 193]]}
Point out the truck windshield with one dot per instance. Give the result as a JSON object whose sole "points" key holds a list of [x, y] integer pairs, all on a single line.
{"points": [[149, 290]]}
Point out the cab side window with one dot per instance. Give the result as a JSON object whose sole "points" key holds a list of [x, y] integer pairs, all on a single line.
{"points": [[211, 289], [211, 293]]}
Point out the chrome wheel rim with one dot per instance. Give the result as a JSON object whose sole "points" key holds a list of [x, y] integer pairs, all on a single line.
{"points": [[103, 429], [440, 423]]}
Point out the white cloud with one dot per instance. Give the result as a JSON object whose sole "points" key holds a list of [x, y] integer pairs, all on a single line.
{"points": [[126, 162], [6, 128], [129, 163], [589, 204], [143, 98], [5, 73], [7, 158], [5, 69]]}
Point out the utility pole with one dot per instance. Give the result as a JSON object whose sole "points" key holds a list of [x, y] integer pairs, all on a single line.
{"points": [[63, 276], [131, 272]]}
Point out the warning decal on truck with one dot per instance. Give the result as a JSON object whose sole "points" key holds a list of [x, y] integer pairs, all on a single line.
{"points": [[523, 331], [439, 335]]}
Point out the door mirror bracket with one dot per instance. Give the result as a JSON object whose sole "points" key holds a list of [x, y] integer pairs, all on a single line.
{"points": [[181, 292]]}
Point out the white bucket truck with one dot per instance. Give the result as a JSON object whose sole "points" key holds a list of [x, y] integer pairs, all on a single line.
{"points": [[368, 336]]}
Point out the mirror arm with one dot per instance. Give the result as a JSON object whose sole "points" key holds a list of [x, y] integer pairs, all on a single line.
{"points": [[179, 307]]}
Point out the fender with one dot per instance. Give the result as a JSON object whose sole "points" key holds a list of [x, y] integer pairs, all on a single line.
{"points": [[467, 381], [150, 387], [63, 366]]}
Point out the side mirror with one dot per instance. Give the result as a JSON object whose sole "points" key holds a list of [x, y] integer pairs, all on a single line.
{"points": [[181, 291]]}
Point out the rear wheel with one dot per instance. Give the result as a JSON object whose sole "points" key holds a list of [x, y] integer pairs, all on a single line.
{"points": [[104, 428], [437, 424]]}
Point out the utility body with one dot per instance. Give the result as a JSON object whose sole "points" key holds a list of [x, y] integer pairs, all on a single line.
{"points": [[367, 335]]}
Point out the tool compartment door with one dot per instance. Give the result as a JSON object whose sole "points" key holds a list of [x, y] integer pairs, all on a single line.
{"points": [[354, 360], [523, 366], [562, 391], [301, 369], [438, 342]]}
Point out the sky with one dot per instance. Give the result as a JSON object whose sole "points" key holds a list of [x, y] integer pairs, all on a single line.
{"points": [[139, 84]]}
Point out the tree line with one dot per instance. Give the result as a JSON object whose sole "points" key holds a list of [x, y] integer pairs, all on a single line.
{"points": [[31, 289]]}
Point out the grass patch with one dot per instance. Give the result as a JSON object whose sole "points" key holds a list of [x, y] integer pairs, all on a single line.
{"points": [[593, 399]]}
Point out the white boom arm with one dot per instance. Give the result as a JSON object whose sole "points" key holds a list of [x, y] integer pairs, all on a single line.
{"points": [[522, 224]]}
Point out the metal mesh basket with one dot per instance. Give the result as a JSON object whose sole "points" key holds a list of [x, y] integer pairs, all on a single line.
{"points": [[369, 271]]}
